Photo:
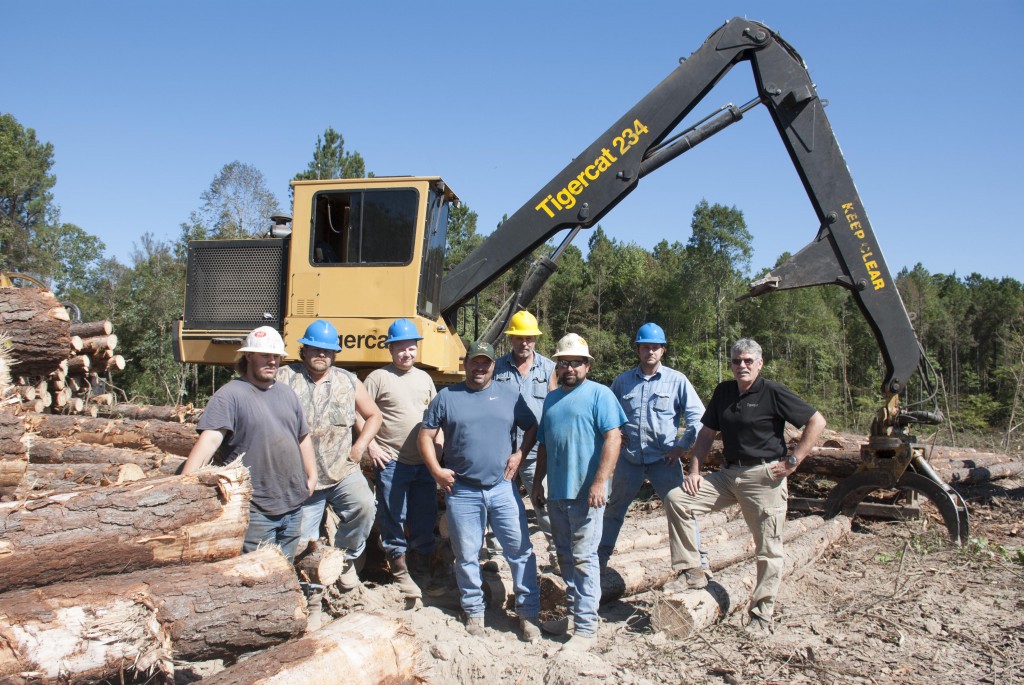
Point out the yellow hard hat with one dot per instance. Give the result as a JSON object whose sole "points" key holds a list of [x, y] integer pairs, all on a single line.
{"points": [[523, 323]]}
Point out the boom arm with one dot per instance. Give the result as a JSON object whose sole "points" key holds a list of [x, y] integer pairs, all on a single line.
{"points": [[844, 252]]}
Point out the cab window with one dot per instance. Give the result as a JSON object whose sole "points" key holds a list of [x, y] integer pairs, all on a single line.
{"points": [[364, 227]]}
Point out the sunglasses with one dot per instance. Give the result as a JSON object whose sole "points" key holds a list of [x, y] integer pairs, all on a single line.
{"points": [[743, 362], [574, 363]]}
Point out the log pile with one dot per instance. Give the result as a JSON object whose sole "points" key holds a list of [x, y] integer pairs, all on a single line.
{"points": [[56, 365], [114, 569]]}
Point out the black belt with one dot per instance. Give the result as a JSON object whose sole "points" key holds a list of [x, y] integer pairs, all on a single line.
{"points": [[751, 462]]}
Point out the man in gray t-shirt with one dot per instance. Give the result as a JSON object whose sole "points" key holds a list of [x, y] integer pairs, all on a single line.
{"points": [[260, 421]]}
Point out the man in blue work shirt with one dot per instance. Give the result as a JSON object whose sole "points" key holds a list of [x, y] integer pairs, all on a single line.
{"points": [[533, 375], [656, 400]]}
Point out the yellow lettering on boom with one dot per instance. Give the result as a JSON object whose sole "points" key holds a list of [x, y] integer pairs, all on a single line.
{"points": [[566, 197], [867, 251]]}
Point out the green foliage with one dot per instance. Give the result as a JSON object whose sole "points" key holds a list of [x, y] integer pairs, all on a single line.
{"points": [[330, 160], [26, 202]]}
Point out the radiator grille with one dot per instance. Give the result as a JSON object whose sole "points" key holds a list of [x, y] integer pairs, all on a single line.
{"points": [[235, 284]]}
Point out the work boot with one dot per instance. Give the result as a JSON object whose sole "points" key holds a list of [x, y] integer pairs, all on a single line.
{"points": [[579, 643], [475, 626], [400, 570], [758, 628], [423, 574], [690, 579], [315, 609], [349, 578], [559, 626], [529, 629]]}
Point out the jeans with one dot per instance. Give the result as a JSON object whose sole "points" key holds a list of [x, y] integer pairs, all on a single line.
{"points": [[282, 530], [406, 495], [626, 483], [352, 501], [470, 510], [576, 529], [526, 471], [762, 499]]}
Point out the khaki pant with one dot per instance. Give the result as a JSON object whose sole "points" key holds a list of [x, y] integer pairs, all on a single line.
{"points": [[762, 500]]}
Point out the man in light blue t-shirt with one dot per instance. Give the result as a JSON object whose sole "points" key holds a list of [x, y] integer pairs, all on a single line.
{"points": [[478, 418], [579, 441]]}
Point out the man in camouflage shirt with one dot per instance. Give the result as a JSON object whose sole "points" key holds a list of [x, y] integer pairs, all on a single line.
{"points": [[330, 398]]}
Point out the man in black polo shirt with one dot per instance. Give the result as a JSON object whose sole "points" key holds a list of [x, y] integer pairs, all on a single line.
{"points": [[751, 413]]}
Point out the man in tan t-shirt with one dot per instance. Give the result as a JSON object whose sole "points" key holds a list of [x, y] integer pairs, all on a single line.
{"points": [[406, 492]]}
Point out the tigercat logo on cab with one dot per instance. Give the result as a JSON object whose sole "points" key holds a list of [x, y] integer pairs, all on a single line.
{"points": [[362, 342], [566, 197]]}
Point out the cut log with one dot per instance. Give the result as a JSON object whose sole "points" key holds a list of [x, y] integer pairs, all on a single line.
{"points": [[146, 412], [173, 438], [47, 477], [79, 365], [90, 329], [650, 569], [96, 345], [360, 649], [121, 528], [27, 392], [76, 344], [75, 632], [681, 615], [48, 451], [104, 399], [38, 328], [320, 563], [13, 451]]}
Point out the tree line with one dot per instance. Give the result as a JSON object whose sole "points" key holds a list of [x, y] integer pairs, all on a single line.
{"points": [[815, 339]]}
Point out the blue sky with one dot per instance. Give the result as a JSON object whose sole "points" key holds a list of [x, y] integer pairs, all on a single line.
{"points": [[144, 102]]}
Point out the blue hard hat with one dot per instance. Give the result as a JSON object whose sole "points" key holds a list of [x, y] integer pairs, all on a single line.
{"points": [[402, 329], [321, 334], [651, 334]]}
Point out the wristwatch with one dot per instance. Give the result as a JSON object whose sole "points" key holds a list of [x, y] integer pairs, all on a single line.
{"points": [[792, 460]]}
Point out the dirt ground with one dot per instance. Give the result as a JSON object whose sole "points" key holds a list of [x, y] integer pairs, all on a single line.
{"points": [[890, 603]]}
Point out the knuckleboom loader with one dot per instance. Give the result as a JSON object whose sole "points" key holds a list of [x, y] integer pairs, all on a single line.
{"points": [[363, 252]]}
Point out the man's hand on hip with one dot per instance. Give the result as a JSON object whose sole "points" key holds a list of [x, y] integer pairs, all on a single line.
{"points": [[445, 479], [378, 455]]}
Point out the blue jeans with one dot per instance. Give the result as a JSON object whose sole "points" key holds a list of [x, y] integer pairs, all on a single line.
{"points": [[526, 471], [353, 502], [406, 494], [282, 530], [626, 483], [576, 529], [470, 510]]}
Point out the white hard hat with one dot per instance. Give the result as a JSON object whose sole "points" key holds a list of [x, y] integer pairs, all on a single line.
{"points": [[572, 345], [264, 339]]}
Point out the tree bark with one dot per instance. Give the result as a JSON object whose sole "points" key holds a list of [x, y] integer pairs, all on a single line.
{"points": [[650, 569], [90, 329], [47, 477], [13, 452], [168, 437], [681, 615], [101, 628], [122, 528], [38, 327], [97, 344], [49, 451], [360, 648], [147, 412], [320, 563]]}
